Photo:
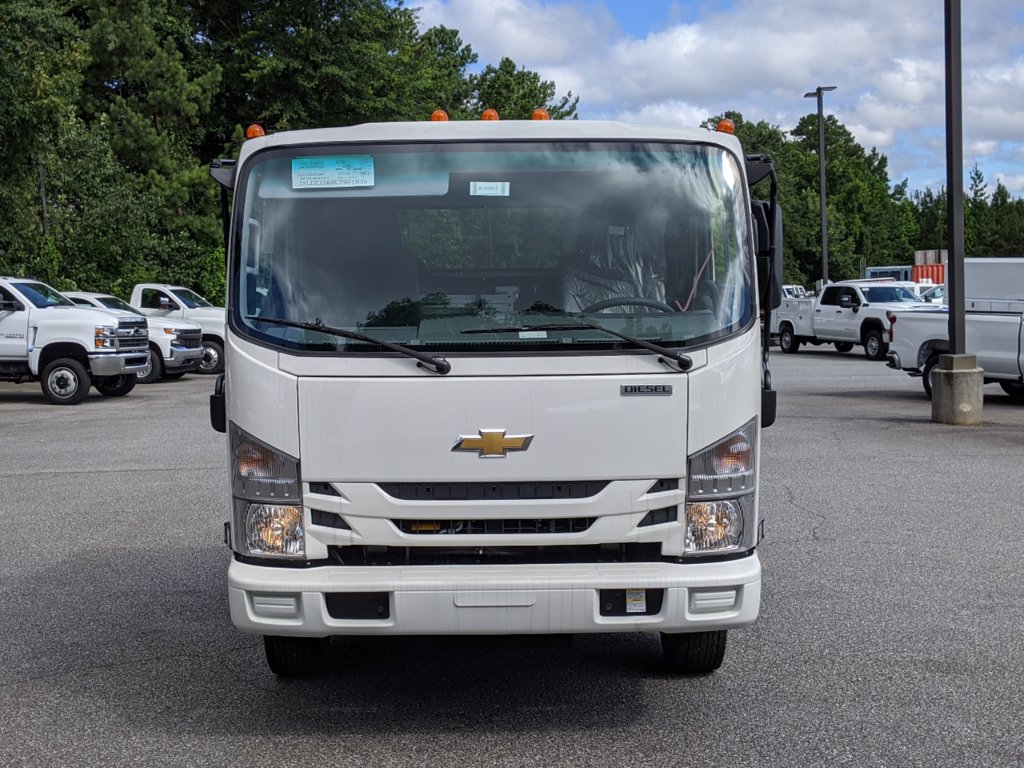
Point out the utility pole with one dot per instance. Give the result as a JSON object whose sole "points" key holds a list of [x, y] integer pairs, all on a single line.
{"points": [[818, 92]]}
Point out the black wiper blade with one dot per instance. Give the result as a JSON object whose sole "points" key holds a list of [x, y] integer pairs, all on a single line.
{"points": [[438, 364], [684, 361]]}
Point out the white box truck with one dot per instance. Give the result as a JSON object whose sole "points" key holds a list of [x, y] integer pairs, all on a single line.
{"points": [[496, 378]]}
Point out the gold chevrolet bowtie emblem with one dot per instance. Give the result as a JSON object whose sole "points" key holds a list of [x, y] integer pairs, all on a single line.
{"points": [[492, 443]]}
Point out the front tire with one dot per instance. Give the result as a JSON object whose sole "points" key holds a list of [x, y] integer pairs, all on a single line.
{"points": [[926, 374], [787, 341], [213, 357], [295, 656], [1014, 389], [874, 347], [693, 653], [115, 386], [154, 368], [65, 381]]}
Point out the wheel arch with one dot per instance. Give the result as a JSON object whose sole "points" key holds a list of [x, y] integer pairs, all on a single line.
{"points": [[62, 349]]}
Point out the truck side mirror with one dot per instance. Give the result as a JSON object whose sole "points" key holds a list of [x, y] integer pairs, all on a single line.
{"points": [[846, 301], [11, 305], [769, 258], [166, 304]]}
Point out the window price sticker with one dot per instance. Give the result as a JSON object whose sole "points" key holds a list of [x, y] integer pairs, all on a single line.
{"points": [[332, 172]]}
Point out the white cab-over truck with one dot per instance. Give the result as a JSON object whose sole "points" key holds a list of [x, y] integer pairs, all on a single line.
{"points": [[175, 346], [993, 326], [495, 378], [159, 300], [845, 313], [45, 337]]}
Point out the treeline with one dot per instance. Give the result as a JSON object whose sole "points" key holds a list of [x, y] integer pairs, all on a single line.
{"points": [[871, 222], [111, 110]]}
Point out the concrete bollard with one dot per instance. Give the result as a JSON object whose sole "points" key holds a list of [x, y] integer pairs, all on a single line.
{"points": [[957, 396]]}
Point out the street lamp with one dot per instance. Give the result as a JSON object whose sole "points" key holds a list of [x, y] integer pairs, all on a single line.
{"points": [[817, 92]]}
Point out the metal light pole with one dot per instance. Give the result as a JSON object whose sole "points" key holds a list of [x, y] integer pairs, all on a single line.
{"points": [[817, 92]]}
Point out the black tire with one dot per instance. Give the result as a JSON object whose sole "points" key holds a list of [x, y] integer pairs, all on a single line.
{"points": [[115, 386], [65, 381], [174, 375], [1014, 389], [844, 346], [787, 341], [875, 347], [693, 653], [154, 368], [926, 374], [295, 656], [213, 357]]}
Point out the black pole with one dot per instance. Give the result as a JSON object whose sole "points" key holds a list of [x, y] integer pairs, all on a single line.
{"points": [[954, 180], [821, 185]]}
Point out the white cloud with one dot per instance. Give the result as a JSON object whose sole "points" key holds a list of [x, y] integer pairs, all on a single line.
{"points": [[886, 59]]}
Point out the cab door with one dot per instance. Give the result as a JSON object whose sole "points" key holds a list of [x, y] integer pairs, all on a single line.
{"points": [[13, 326], [827, 314], [847, 318]]}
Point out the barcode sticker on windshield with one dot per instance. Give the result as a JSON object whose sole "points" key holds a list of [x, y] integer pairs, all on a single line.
{"points": [[489, 188], [332, 172]]}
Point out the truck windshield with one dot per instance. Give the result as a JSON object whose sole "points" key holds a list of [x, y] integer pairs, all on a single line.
{"points": [[889, 293], [112, 302], [42, 295], [190, 299], [493, 248]]}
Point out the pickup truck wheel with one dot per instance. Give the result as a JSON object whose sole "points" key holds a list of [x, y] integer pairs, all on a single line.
{"points": [[874, 347], [115, 386], [1013, 388], [65, 381], [693, 653], [213, 357], [926, 374], [154, 368], [295, 656], [174, 375], [787, 341], [844, 346]]}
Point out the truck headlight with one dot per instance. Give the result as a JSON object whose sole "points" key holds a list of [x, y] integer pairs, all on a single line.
{"points": [[172, 332], [105, 337], [267, 490], [721, 480]]}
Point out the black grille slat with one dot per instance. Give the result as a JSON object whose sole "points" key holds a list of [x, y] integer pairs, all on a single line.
{"points": [[506, 555], [659, 516], [494, 527], [577, 489]]}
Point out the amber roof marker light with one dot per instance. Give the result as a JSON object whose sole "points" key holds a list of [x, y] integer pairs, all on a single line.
{"points": [[254, 131], [540, 114], [489, 114], [725, 125], [439, 116]]}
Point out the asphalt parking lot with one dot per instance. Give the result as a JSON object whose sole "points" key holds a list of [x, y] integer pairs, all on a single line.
{"points": [[891, 634]]}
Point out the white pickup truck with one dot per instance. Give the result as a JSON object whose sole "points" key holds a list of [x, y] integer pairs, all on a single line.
{"points": [[845, 313], [45, 337], [993, 325], [175, 346], [175, 301]]}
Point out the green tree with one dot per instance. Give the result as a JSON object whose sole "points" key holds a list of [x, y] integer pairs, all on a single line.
{"points": [[516, 92]]}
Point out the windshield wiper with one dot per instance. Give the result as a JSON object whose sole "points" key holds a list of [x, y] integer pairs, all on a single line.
{"points": [[438, 364], [684, 361]]}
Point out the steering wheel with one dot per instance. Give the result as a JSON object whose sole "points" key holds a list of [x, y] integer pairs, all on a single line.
{"points": [[629, 301]]}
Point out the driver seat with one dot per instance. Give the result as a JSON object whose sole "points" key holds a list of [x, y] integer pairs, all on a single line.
{"points": [[606, 262]]}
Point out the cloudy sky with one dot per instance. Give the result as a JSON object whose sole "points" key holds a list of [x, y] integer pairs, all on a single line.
{"points": [[681, 61]]}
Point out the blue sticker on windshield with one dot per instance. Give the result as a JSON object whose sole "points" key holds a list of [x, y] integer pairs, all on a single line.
{"points": [[332, 172]]}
